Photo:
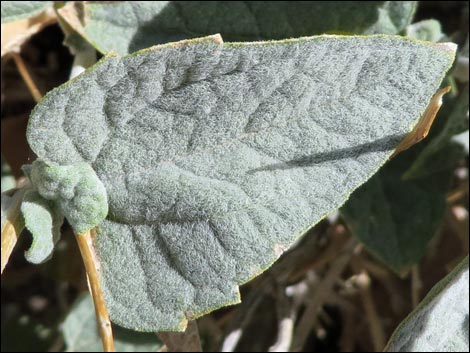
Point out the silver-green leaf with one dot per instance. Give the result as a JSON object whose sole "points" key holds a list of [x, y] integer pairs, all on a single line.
{"points": [[17, 10], [43, 220], [127, 26], [441, 321], [216, 157]]}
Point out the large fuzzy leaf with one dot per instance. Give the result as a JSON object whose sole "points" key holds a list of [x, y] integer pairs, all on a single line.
{"points": [[440, 323], [17, 10], [216, 157], [127, 26], [81, 332]]}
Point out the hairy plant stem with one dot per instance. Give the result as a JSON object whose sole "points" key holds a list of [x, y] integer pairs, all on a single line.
{"points": [[85, 243]]}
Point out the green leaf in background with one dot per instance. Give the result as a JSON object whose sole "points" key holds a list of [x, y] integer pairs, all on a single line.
{"points": [[17, 10], [429, 30], [81, 332], [43, 220], [395, 219], [217, 157], [457, 122], [8, 180], [127, 26], [460, 71], [441, 321]]}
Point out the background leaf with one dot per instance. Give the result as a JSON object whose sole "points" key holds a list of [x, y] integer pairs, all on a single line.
{"points": [[394, 218], [441, 322], [81, 332], [17, 10], [216, 157], [429, 30], [110, 27], [460, 71]]}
